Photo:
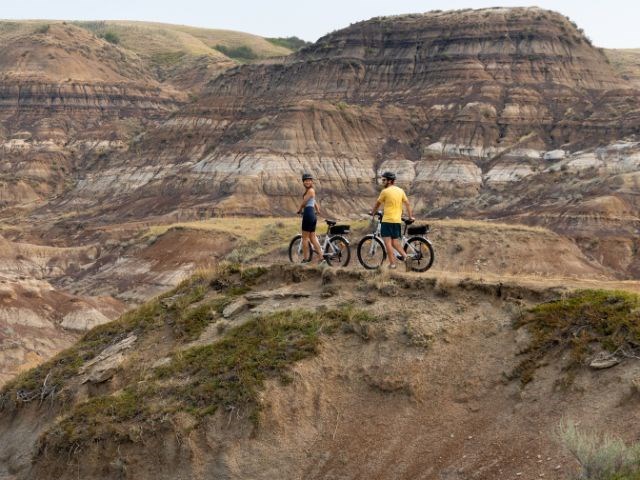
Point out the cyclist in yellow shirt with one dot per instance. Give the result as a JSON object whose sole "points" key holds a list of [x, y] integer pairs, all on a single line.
{"points": [[392, 199]]}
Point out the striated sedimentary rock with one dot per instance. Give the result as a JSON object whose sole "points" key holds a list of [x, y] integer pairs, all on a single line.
{"points": [[500, 112], [454, 101], [63, 93]]}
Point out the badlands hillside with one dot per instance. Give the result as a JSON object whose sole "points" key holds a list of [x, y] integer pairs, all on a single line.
{"points": [[154, 169], [494, 113], [293, 372]]}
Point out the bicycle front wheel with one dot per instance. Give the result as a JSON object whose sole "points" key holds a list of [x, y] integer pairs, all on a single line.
{"points": [[295, 250], [371, 252], [420, 254], [337, 251]]}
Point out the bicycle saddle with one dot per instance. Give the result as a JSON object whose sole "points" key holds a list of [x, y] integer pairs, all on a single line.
{"points": [[331, 223]]}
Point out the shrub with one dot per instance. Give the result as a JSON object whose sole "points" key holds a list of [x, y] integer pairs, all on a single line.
{"points": [[111, 37], [292, 43], [43, 28], [586, 319], [240, 53], [228, 374], [601, 457]]}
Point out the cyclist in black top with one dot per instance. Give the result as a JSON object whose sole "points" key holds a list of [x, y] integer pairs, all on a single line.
{"points": [[309, 209]]}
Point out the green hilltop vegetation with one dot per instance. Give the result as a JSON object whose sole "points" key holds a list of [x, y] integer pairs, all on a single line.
{"points": [[226, 374], [292, 43], [581, 323]]}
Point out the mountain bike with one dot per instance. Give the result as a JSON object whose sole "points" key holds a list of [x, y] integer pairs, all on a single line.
{"points": [[420, 253], [335, 246]]}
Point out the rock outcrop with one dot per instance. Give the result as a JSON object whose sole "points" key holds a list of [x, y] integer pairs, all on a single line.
{"points": [[37, 321], [454, 101], [304, 386], [63, 93]]}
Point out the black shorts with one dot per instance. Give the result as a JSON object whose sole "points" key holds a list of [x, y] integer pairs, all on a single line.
{"points": [[392, 230], [309, 219]]}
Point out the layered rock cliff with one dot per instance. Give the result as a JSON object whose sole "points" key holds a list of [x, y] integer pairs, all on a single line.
{"points": [[451, 100], [472, 109], [64, 91]]}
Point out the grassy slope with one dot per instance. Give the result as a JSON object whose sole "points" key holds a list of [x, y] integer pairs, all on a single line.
{"points": [[626, 62], [185, 57], [199, 380], [148, 39]]}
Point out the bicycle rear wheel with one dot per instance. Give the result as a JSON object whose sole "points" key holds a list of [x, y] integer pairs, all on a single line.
{"points": [[337, 251], [295, 250], [420, 254], [371, 252]]}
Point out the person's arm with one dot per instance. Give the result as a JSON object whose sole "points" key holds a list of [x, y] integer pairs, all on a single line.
{"points": [[378, 203], [405, 200], [308, 194], [317, 205]]}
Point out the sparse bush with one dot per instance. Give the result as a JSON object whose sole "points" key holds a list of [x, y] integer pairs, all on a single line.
{"points": [[417, 335], [292, 43], [583, 322], [244, 252], [43, 28], [167, 59], [111, 37], [444, 286], [381, 282], [227, 374], [243, 52], [601, 457]]}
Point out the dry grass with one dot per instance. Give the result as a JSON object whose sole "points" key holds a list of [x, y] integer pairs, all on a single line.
{"points": [[626, 62], [487, 225], [601, 457], [243, 227], [148, 38]]}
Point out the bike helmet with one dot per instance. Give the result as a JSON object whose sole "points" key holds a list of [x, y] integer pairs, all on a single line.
{"points": [[389, 175], [307, 176]]}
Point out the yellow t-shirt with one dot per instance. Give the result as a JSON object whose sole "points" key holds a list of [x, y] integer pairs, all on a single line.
{"points": [[391, 199]]}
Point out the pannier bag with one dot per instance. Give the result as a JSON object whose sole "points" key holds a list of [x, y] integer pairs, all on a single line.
{"points": [[418, 230], [339, 229]]}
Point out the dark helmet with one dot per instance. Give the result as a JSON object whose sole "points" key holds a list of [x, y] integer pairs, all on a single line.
{"points": [[307, 176], [389, 175]]}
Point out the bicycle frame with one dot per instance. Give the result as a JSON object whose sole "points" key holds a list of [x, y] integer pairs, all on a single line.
{"points": [[325, 244], [404, 239]]}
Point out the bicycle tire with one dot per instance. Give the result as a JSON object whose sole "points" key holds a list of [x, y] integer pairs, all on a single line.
{"points": [[428, 257], [294, 256], [345, 251], [364, 254]]}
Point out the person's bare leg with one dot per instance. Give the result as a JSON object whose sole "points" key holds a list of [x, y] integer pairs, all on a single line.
{"points": [[305, 245], [398, 246], [316, 245], [389, 247]]}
